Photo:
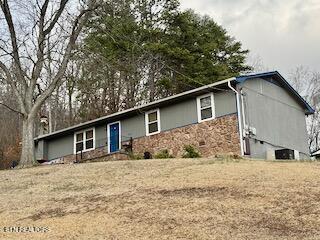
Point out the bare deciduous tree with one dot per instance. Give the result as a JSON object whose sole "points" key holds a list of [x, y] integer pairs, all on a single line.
{"points": [[257, 64], [24, 52], [9, 127], [307, 83]]}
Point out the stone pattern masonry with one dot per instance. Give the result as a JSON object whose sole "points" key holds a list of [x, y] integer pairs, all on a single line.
{"points": [[214, 137]]}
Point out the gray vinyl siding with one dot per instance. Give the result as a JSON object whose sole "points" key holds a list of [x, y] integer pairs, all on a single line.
{"points": [[133, 127], [41, 150], [59, 147], [172, 116], [64, 146], [225, 103], [278, 118], [101, 136], [178, 115]]}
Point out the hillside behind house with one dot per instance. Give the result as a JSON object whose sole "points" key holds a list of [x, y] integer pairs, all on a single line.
{"points": [[164, 199]]}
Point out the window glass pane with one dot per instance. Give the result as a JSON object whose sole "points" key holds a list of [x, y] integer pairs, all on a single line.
{"points": [[206, 113], [153, 127], [89, 144], [205, 102], [79, 147], [89, 134], [79, 137], [153, 117]]}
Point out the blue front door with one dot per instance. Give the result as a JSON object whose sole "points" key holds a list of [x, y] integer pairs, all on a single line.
{"points": [[114, 135]]}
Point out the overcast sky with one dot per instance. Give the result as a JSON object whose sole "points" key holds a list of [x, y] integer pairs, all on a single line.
{"points": [[283, 33]]}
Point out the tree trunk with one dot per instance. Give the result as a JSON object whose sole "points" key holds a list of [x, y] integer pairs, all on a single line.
{"points": [[50, 115], [28, 151], [70, 118]]}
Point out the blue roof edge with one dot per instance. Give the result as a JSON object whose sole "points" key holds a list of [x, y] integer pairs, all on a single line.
{"points": [[244, 78]]}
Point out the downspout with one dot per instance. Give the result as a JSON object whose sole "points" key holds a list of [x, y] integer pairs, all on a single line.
{"points": [[244, 134], [239, 116], [243, 113]]}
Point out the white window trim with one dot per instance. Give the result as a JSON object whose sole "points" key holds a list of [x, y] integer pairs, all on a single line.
{"points": [[147, 122], [84, 140], [212, 107], [108, 135]]}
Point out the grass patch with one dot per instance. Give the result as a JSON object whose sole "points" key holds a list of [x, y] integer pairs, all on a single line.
{"points": [[215, 198]]}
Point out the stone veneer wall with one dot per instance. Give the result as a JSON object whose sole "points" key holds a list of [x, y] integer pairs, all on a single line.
{"points": [[214, 137]]}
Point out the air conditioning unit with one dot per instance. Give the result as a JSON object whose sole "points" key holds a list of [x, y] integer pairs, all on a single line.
{"points": [[285, 154]]}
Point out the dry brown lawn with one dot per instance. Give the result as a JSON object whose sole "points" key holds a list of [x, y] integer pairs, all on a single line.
{"points": [[164, 199]]}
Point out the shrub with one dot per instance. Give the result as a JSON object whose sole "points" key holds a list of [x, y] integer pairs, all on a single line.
{"points": [[190, 152], [163, 154], [147, 155]]}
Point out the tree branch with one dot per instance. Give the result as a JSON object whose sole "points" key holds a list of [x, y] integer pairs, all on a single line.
{"points": [[36, 71], [10, 108], [11, 82], [79, 23], [56, 17], [7, 13]]}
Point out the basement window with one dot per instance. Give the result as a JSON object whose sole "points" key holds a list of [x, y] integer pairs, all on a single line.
{"points": [[152, 119], [84, 140], [205, 105]]}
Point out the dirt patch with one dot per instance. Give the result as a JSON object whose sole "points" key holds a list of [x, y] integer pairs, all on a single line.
{"points": [[280, 226], [201, 192], [195, 191], [42, 173], [49, 213], [70, 187]]}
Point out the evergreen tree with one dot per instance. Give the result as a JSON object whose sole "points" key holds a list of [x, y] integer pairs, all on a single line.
{"points": [[138, 51]]}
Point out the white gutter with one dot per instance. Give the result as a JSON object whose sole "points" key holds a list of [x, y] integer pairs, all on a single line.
{"points": [[239, 117]]}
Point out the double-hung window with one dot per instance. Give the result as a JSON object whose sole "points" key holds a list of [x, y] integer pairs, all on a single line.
{"points": [[152, 119], [205, 104], [84, 140]]}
